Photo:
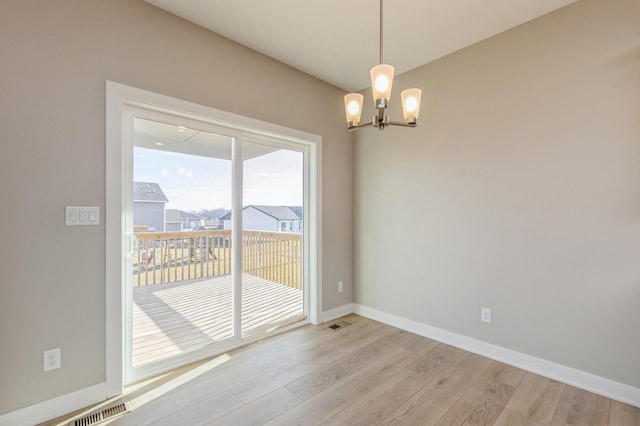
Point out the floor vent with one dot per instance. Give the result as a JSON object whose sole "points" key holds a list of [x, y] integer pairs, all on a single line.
{"points": [[341, 324], [95, 418]]}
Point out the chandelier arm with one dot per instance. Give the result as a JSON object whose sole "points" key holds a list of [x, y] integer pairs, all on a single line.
{"points": [[369, 124], [402, 124]]}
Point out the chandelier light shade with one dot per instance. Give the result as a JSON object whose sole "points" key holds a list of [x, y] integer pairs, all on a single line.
{"points": [[411, 104], [381, 83], [353, 107]]}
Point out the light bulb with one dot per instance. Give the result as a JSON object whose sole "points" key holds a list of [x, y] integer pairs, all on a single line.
{"points": [[353, 108], [382, 83], [410, 104]]}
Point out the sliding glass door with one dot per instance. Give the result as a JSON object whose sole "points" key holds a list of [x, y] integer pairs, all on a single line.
{"points": [[215, 223]]}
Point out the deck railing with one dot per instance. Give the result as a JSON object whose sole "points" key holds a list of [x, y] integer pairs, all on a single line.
{"points": [[164, 257]]}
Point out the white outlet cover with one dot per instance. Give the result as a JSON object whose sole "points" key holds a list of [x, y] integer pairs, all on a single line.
{"points": [[51, 359], [485, 315]]}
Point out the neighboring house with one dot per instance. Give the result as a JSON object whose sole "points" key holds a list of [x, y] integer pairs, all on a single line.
{"points": [[298, 212], [267, 218], [173, 220], [148, 206], [213, 223], [179, 220]]}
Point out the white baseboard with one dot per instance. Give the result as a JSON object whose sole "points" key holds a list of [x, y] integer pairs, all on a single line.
{"points": [[337, 312], [580, 379], [55, 407]]}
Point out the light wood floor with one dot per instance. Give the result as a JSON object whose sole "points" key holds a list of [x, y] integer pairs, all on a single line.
{"points": [[361, 374], [175, 318]]}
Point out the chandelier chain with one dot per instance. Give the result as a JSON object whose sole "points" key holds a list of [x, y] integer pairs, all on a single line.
{"points": [[381, 32]]}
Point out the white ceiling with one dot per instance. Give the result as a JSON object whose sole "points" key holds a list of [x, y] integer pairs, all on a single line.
{"points": [[338, 40]]}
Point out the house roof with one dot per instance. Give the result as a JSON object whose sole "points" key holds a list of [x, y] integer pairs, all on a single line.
{"points": [[175, 215], [297, 210], [149, 192], [187, 215], [277, 212], [172, 216]]}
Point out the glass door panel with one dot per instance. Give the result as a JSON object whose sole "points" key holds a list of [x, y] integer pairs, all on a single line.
{"points": [[272, 237], [180, 278]]}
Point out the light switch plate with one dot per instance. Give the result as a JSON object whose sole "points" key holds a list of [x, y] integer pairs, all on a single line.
{"points": [[485, 315], [82, 215]]}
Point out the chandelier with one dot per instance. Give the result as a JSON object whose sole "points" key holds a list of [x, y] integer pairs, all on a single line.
{"points": [[381, 82]]}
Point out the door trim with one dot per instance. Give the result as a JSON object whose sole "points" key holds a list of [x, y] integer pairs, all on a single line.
{"points": [[119, 96]]}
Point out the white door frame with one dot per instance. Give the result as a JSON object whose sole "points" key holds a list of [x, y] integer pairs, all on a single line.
{"points": [[118, 97]]}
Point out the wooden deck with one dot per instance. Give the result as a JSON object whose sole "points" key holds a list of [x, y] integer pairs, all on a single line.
{"points": [[175, 318]]}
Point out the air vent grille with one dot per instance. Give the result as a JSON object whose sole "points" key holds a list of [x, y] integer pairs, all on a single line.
{"points": [[97, 417], [339, 325]]}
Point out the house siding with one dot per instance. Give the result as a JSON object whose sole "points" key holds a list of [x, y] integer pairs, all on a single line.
{"points": [[258, 221], [173, 227], [148, 213]]}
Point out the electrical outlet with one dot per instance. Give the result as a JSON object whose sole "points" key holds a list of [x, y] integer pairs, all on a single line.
{"points": [[485, 315], [52, 359], [340, 286]]}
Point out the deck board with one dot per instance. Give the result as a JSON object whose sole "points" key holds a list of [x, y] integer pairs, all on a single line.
{"points": [[170, 319]]}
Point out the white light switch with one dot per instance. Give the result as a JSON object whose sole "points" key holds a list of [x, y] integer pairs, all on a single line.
{"points": [[82, 215]]}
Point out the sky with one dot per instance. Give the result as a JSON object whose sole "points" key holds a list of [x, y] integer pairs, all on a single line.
{"points": [[193, 183]]}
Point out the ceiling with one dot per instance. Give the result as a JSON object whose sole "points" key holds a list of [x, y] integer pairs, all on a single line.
{"points": [[193, 140], [338, 40]]}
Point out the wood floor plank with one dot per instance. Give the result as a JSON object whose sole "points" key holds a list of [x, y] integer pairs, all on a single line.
{"points": [[579, 407], [202, 411], [320, 407], [301, 358], [483, 402], [309, 342], [432, 400], [382, 400], [435, 361], [182, 397], [624, 415], [536, 398], [509, 418], [315, 382], [260, 411], [289, 370]]}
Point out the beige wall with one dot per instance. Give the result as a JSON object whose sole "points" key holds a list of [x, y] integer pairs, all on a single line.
{"points": [[519, 191], [54, 60]]}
